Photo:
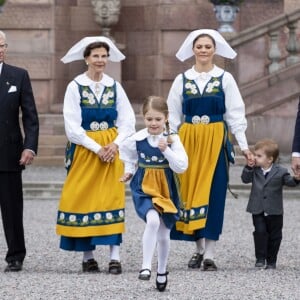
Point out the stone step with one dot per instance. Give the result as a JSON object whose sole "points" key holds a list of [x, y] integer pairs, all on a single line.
{"points": [[55, 160], [52, 190], [48, 190], [52, 140]]}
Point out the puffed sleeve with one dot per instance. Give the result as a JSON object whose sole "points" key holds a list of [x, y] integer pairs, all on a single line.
{"points": [[176, 155], [174, 101], [129, 155], [72, 119], [126, 119], [235, 110]]}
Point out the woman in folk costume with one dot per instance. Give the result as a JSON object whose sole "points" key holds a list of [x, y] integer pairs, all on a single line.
{"points": [[98, 117], [158, 156], [204, 102]]}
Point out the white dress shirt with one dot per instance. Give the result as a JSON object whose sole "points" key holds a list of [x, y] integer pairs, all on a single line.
{"points": [[175, 154], [125, 122], [235, 107]]}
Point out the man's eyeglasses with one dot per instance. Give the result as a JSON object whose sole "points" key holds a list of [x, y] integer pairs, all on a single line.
{"points": [[3, 46]]}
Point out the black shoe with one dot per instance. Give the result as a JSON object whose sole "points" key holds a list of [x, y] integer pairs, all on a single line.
{"points": [[270, 266], [260, 263], [14, 266], [143, 275], [195, 261], [114, 267], [209, 265], [90, 266], [162, 286]]}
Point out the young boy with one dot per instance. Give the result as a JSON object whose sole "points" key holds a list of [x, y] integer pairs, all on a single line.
{"points": [[265, 202]]}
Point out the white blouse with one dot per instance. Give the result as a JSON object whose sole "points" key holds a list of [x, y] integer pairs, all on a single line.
{"points": [[175, 154], [125, 122], [235, 107]]}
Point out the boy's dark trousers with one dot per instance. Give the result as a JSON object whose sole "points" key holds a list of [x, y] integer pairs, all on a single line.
{"points": [[267, 236]]}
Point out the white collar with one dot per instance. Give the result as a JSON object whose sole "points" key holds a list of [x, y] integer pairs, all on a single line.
{"points": [[83, 79], [192, 74], [142, 134], [1, 64], [267, 170]]}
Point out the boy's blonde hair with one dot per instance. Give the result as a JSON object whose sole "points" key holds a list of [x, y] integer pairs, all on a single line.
{"points": [[270, 148]]}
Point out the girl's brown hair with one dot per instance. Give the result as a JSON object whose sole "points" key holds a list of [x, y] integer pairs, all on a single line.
{"points": [[270, 148], [159, 104]]}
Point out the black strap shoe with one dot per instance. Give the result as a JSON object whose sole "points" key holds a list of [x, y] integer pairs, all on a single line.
{"points": [[114, 267], [145, 274], [195, 261], [162, 286], [90, 266], [209, 265]]}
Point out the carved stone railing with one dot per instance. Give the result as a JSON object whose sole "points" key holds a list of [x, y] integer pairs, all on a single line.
{"points": [[273, 29], [267, 69]]}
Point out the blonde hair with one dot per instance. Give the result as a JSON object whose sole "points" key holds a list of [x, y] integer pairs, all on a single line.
{"points": [[270, 148], [159, 104]]}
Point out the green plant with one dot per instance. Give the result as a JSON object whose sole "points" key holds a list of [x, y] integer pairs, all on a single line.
{"points": [[2, 2], [226, 2]]}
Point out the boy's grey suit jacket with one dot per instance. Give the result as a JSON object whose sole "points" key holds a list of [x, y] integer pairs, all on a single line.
{"points": [[266, 193]]}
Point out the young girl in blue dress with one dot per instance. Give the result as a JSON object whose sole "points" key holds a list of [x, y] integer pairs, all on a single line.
{"points": [[152, 157]]}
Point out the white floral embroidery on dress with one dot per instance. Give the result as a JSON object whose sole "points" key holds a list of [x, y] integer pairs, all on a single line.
{"points": [[61, 216], [91, 99], [67, 162], [85, 94], [121, 214], [105, 101], [85, 219], [97, 216], [211, 85], [109, 216], [72, 218], [111, 94], [191, 87]]}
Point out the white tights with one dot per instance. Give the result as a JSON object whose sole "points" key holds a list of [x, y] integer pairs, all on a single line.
{"points": [[156, 233], [206, 247], [114, 253]]}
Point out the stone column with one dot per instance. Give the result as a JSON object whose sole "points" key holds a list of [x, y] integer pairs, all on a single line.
{"points": [[107, 14]]}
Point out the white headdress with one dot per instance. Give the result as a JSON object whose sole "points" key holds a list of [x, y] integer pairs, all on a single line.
{"points": [[222, 47], [76, 52]]}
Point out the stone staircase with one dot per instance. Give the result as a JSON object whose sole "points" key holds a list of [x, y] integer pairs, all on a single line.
{"points": [[38, 190], [52, 140]]}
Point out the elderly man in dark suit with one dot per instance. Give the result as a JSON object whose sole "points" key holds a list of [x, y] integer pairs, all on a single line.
{"points": [[16, 151], [296, 145]]}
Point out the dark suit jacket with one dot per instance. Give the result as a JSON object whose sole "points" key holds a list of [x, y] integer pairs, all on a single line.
{"points": [[16, 95], [266, 193], [296, 140]]}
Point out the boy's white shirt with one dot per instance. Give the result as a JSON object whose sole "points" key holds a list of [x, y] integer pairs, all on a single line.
{"points": [[175, 154]]}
